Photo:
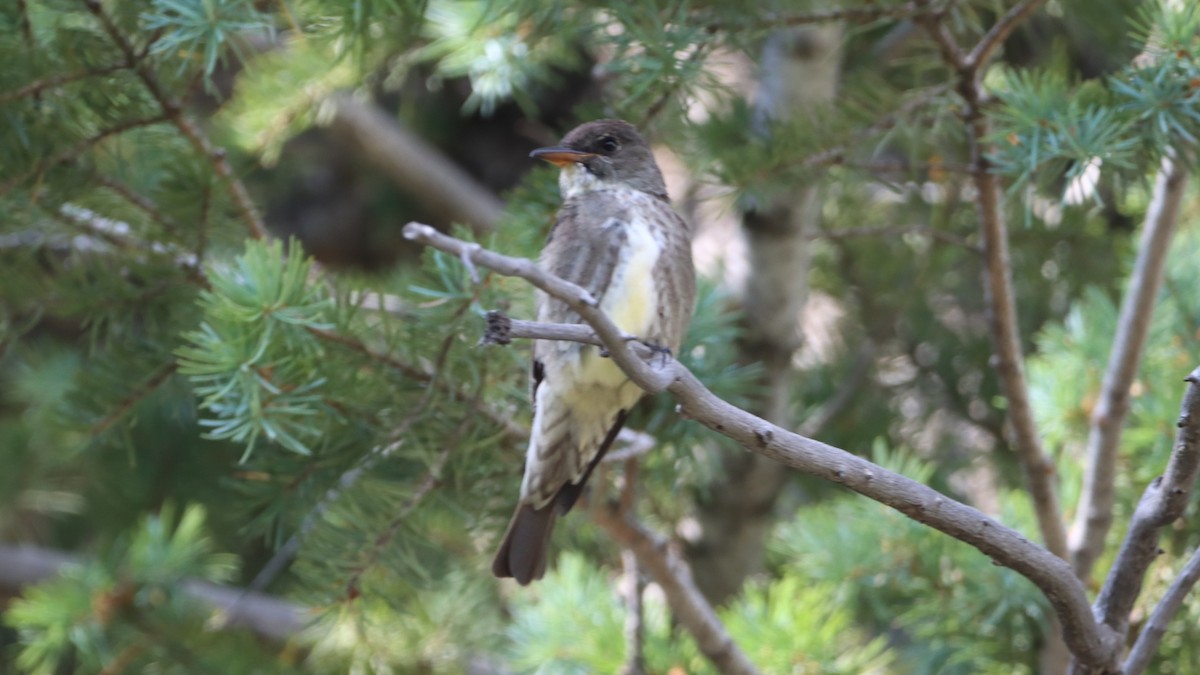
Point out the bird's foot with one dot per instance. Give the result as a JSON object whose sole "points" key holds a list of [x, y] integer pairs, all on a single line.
{"points": [[663, 353]]}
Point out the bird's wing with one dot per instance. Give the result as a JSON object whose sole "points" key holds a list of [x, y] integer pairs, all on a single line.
{"points": [[584, 247]]}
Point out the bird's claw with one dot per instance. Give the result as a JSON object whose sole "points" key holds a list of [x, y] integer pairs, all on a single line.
{"points": [[664, 353]]}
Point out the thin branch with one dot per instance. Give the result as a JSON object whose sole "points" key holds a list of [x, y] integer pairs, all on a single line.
{"points": [[264, 615], [420, 169], [1095, 514], [502, 421], [1164, 501], [687, 604], [1156, 627], [78, 149], [174, 112], [433, 478], [635, 629], [144, 204], [1040, 472], [999, 32], [1091, 642], [156, 380], [38, 86]]}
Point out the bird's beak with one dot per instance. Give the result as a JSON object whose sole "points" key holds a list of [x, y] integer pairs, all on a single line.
{"points": [[560, 156]]}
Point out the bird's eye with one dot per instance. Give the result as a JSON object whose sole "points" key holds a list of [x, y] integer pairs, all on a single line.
{"points": [[609, 144]]}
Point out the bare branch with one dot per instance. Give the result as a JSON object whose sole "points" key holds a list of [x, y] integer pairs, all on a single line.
{"points": [[672, 574], [999, 32], [1091, 642], [417, 167], [264, 615], [1164, 501], [1040, 472], [1095, 514], [1152, 635]]}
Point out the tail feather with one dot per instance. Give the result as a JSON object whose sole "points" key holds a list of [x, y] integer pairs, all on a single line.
{"points": [[522, 556]]}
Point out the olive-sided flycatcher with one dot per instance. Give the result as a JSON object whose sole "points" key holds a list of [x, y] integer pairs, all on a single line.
{"points": [[618, 237]]}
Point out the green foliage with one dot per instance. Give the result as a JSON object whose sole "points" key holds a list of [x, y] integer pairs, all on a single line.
{"points": [[202, 30], [574, 621], [254, 360], [145, 347], [94, 608], [983, 618]]}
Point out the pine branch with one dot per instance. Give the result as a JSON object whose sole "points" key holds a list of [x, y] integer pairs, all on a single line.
{"points": [[264, 615], [122, 409], [982, 52], [173, 111], [1094, 516], [1164, 501], [1092, 643], [73, 152], [38, 86]]}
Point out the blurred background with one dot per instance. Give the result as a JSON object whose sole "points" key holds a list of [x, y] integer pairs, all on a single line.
{"points": [[246, 427]]}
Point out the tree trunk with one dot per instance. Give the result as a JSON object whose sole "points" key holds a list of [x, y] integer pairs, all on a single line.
{"points": [[798, 73]]}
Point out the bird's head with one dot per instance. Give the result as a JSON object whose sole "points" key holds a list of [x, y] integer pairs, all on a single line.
{"points": [[601, 155]]}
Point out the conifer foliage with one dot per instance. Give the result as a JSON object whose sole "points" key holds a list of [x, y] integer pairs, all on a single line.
{"points": [[193, 401]]}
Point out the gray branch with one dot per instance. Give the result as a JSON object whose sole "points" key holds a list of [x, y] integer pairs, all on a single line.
{"points": [[1095, 514], [1164, 500], [1152, 635], [687, 603], [1091, 642], [420, 169], [261, 614]]}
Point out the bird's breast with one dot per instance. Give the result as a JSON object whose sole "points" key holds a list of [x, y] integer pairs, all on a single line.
{"points": [[631, 300]]}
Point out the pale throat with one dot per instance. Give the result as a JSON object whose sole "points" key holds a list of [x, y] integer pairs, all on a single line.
{"points": [[575, 180]]}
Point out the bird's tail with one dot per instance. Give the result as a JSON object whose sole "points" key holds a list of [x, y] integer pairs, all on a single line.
{"points": [[523, 553]]}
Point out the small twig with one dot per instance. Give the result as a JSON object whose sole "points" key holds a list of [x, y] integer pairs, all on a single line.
{"points": [[671, 572], [78, 149], [502, 421], [122, 409], [38, 86], [432, 479], [1094, 516], [999, 32], [145, 205], [1164, 501], [952, 52], [1156, 627]]}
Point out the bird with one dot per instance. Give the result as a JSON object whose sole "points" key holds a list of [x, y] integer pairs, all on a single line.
{"points": [[618, 237]]}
